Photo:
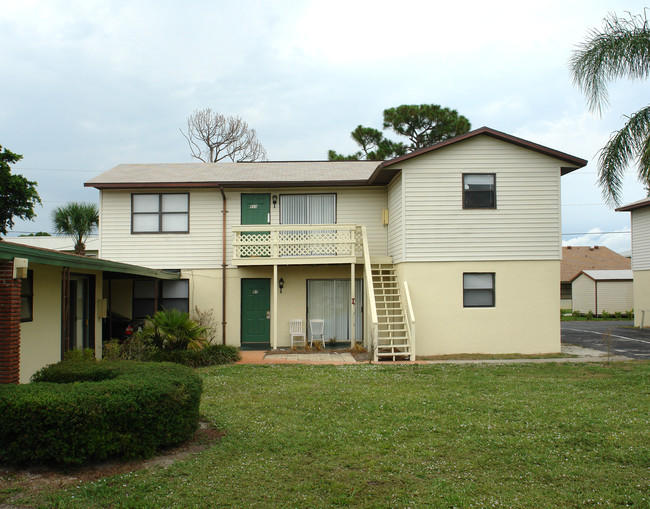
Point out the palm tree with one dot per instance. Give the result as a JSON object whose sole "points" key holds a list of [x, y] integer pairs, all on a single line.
{"points": [[76, 219], [620, 50]]}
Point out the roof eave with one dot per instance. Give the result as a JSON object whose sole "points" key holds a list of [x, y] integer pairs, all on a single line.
{"points": [[244, 184], [574, 162], [9, 251]]}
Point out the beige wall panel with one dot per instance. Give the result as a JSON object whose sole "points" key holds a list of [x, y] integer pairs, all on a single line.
{"points": [[641, 298], [641, 239], [121, 296], [396, 220], [40, 339], [524, 320], [615, 296], [525, 224], [566, 304], [583, 291], [292, 302]]}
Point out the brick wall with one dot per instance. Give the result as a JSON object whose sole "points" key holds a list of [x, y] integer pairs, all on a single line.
{"points": [[9, 324]]}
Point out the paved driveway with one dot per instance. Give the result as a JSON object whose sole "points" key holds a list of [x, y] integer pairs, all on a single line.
{"points": [[625, 339]]}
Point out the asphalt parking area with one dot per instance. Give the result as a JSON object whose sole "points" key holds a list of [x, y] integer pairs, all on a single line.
{"points": [[622, 336]]}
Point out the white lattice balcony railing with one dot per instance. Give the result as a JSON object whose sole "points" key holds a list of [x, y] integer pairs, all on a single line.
{"points": [[296, 244]]}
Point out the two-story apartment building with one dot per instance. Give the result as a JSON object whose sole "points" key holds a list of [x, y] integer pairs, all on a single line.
{"points": [[640, 222], [459, 241]]}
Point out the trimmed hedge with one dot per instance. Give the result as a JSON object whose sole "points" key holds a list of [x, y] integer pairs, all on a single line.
{"points": [[74, 412], [210, 355]]}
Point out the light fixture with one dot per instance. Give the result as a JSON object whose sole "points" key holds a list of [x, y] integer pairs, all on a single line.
{"points": [[275, 200], [281, 284]]}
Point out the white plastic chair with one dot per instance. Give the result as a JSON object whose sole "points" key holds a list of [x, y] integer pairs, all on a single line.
{"points": [[316, 328], [295, 330]]}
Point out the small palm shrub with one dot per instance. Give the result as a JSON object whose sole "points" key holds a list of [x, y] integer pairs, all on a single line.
{"points": [[171, 329]]}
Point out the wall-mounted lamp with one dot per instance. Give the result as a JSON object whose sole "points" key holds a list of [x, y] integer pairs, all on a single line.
{"points": [[275, 200], [281, 284]]}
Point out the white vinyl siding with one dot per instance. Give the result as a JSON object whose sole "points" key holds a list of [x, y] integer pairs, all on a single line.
{"points": [[201, 247], [641, 239], [524, 226], [395, 220], [612, 296]]}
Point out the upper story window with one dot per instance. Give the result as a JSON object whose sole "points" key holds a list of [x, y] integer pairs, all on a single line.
{"points": [[160, 213], [479, 191], [308, 209], [478, 290]]}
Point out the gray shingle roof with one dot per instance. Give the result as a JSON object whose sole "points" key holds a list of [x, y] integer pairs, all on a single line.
{"points": [[230, 174]]}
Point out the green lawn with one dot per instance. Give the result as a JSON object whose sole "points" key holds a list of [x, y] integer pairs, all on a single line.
{"points": [[537, 435]]}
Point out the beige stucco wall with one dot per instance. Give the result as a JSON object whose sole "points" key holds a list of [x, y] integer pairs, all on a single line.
{"points": [[524, 319], [40, 339], [641, 298], [205, 292]]}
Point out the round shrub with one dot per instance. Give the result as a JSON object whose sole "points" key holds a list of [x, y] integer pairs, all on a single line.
{"points": [[127, 409]]}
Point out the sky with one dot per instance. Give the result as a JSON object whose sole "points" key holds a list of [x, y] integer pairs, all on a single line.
{"points": [[89, 85]]}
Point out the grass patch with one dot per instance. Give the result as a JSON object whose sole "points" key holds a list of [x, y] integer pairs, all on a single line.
{"points": [[491, 356], [534, 435]]}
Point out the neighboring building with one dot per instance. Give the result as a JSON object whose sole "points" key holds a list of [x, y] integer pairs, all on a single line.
{"points": [[461, 238], [640, 221], [575, 259], [603, 290], [63, 243], [52, 302]]}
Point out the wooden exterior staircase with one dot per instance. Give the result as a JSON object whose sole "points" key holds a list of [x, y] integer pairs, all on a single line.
{"points": [[394, 332]]}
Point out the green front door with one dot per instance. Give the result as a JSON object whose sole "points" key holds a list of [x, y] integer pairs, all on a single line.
{"points": [[255, 313], [256, 209]]}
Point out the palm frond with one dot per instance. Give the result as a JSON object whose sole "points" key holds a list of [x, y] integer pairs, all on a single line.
{"points": [[629, 143], [620, 50]]}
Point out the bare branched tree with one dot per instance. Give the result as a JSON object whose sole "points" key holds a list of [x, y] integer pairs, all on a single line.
{"points": [[213, 137]]}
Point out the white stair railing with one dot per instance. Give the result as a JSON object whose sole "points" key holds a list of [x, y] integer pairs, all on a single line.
{"points": [[410, 319], [370, 292]]}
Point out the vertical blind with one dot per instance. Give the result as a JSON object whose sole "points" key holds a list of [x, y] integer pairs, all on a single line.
{"points": [[329, 299], [308, 209]]}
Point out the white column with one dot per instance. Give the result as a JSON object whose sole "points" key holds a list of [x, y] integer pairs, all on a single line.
{"points": [[274, 310], [353, 315]]}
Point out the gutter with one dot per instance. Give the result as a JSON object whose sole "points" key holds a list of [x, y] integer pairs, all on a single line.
{"points": [[223, 268]]}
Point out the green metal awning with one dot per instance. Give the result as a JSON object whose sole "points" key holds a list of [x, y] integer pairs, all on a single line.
{"points": [[9, 251]]}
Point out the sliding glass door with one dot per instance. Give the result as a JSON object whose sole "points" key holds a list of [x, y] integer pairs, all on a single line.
{"points": [[329, 299]]}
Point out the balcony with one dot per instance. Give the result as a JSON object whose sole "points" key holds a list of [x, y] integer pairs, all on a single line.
{"points": [[296, 244]]}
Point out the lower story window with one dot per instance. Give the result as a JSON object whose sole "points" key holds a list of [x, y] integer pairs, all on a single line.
{"points": [[151, 296], [566, 291], [478, 290], [329, 300]]}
